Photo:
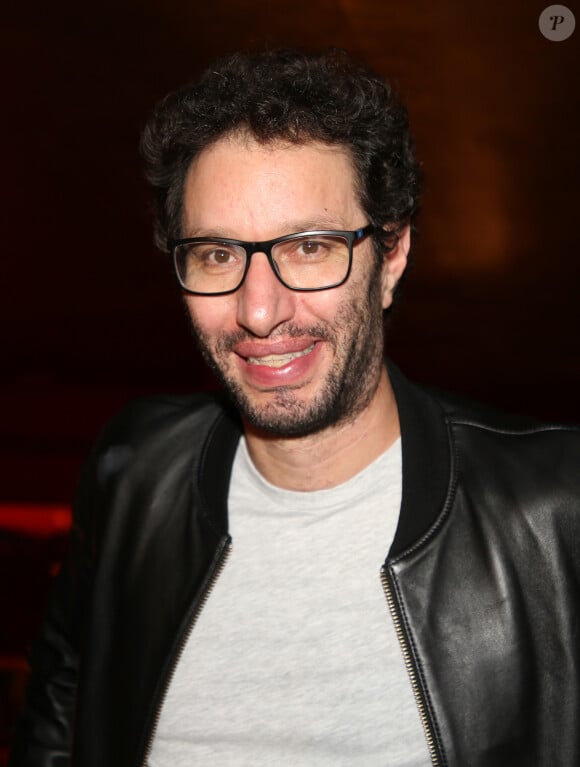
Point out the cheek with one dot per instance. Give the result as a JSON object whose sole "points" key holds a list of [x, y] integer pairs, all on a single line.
{"points": [[322, 306], [326, 305], [210, 315]]}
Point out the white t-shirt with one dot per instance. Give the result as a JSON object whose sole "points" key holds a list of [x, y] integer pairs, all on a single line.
{"points": [[294, 658]]}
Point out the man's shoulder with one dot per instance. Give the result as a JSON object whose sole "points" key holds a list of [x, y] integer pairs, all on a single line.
{"points": [[502, 446], [156, 430], [458, 453], [425, 410], [463, 411], [153, 414]]}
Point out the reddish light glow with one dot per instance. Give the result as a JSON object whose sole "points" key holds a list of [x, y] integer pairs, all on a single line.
{"points": [[39, 520]]}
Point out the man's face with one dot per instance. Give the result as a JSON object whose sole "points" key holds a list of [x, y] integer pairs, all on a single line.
{"points": [[293, 362]]}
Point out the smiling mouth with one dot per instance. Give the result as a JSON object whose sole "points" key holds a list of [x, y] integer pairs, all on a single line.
{"points": [[278, 360]]}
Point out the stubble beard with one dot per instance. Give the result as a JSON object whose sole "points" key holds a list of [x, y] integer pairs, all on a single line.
{"points": [[349, 386]]}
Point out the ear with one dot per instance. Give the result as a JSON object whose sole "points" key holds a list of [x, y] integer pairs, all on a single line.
{"points": [[394, 264]]}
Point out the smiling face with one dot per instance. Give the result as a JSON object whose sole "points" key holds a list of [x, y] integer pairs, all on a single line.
{"points": [[294, 363]]}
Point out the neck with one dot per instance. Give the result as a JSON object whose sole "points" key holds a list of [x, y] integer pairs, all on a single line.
{"points": [[333, 456]]}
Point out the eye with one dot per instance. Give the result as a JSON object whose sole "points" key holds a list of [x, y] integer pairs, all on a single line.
{"points": [[219, 256], [310, 247], [214, 256]]}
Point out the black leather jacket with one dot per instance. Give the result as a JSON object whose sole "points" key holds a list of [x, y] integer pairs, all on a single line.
{"points": [[483, 582]]}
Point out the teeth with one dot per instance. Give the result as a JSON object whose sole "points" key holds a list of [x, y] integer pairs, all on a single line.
{"points": [[279, 360]]}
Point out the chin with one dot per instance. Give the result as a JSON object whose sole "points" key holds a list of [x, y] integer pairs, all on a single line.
{"points": [[288, 415]]}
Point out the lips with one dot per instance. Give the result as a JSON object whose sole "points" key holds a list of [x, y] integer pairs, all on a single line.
{"points": [[279, 360], [274, 353]]}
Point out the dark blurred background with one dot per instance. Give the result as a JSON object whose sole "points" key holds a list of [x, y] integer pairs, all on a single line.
{"points": [[89, 311]]}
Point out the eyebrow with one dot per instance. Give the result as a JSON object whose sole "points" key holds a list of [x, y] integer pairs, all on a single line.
{"points": [[286, 228]]}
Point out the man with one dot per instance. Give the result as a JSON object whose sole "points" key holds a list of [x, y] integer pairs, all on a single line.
{"points": [[334, 566]]}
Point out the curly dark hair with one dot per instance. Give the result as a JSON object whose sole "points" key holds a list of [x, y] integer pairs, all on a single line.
{"points": [[296, 97]]}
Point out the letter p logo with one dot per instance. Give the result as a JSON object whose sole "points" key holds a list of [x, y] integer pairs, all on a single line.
{"points": [[556, 23]]}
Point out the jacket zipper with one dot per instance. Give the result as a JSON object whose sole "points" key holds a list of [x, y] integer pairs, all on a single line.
{"points": [[411, 670], [224, 549]]}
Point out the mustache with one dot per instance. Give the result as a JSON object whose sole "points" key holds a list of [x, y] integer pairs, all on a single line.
{"points": [[227, 341]]}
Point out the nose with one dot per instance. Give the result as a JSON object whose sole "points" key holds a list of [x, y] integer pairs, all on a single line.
{"points": [[263, 302]]}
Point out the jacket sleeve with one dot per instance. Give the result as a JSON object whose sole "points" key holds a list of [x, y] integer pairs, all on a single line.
{"points": [[44, 733]]}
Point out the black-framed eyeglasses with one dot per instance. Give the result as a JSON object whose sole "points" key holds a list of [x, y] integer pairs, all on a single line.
{"points": [[305, 261]]}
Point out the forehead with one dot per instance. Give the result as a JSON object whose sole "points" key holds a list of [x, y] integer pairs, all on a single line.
{"points": [[252, 190]]}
